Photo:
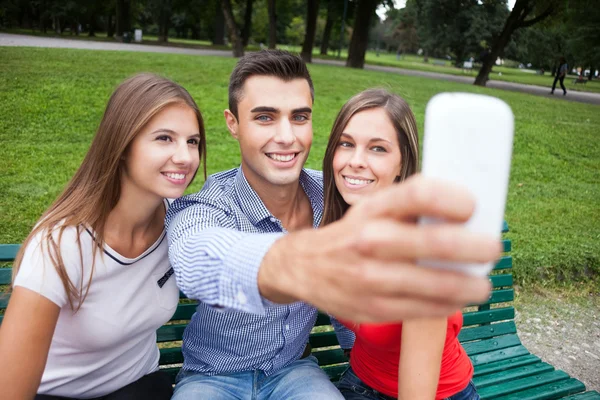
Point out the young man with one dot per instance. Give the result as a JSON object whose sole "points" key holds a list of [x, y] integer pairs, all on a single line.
{"points": [[230, 248], [563, 68]]}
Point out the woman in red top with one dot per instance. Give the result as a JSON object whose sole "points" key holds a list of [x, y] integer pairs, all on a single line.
{"points": [[373, 144]]}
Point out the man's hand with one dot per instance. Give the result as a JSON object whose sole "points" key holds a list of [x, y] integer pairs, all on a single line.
{"points": [[363, 267]]}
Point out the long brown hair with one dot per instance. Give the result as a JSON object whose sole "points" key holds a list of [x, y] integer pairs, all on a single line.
{"points": [[405, 125], [96, 187]]}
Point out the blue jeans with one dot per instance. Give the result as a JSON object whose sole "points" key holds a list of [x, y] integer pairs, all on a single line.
{"points": [[352, 388], [301, 380]]}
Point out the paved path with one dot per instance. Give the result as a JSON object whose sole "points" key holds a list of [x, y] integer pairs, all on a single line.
{"points": [[7, 39]]}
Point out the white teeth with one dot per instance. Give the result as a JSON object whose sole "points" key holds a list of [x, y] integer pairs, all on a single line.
{"points": [[279, 157], [353, 181], [175, 176]]}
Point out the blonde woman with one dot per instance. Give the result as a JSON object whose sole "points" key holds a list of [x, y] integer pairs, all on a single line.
{"points": [[92, 281], [373, 144]]}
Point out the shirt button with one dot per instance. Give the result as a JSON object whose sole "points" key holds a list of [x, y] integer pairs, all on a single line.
{"points": [[277, 356], [273, 219], [287, 327], [242, 298]]}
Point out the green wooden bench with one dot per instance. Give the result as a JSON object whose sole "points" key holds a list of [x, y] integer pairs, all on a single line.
{"points": [[504, 368]]}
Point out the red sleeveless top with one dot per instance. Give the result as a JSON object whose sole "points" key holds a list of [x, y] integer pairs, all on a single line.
{"points": [[376, 355]]}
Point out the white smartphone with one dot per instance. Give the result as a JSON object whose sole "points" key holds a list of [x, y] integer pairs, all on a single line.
{"points": [[468, 141]]}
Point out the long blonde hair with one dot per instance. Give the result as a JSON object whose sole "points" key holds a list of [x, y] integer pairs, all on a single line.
{"points": [[405, 125], [95, 188]]}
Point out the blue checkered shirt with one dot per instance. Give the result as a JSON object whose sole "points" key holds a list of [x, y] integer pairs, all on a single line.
{"points": [[217, 240]]}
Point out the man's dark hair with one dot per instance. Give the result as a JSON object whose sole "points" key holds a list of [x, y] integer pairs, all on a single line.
{"points": [[277, 63]]}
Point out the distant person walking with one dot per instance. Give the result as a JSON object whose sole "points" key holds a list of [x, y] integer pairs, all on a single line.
{"points": [[560, 76]]}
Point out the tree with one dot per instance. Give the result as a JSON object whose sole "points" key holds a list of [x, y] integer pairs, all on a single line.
{"points": [[584, 42], [247, 22], [161, 11], [272, 24], [123, 18], [295, 31], [234, 31], [328, 26], [219, 27], [524, 13], [312, 11], [360, 33]]}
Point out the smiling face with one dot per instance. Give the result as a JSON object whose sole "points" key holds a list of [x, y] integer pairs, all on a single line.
{"points": [[274, 129], [367, 156], [163, 158]]}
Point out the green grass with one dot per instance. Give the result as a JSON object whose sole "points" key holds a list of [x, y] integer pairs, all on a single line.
{"points": [[500, 73], [52, 100], [407, 61]]}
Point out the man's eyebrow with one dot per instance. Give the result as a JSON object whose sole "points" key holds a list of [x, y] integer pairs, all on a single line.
{"points": [[302, 110], [265, 109]]}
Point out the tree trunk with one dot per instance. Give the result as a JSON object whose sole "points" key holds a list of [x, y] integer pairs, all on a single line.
{"points": [[311, 27], [497, 47], [591, 75], [219, 28], [328, 28], [515, 20], [163, 21], [236, 38], [123, 11], [360, 33], [247, 23], [272, 24]]}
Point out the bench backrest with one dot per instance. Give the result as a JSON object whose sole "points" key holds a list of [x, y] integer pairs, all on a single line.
{"points": [[488, 334]]}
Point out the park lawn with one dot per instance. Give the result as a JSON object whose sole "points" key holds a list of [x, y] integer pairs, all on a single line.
{"points": [[52, 100], [406, 61]]}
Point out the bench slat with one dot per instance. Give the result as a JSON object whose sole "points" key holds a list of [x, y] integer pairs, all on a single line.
{"points": [[184, 312], [499, 296], [487, 331], [483, 317], [484, 369], [170, 333], [496, 343], [593, 395], [519, 385], [329, 357], [549, 391], [170, 356], [511, 374], [506, 245], [499, 355], [504, 263], [4, 297], [322, 319], [501, 280], [8, 252], [5, 276], [323, 339]]}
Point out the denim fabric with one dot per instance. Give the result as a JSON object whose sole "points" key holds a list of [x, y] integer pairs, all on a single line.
{"points": [[352, 388], [302, 380], [468, 393]]}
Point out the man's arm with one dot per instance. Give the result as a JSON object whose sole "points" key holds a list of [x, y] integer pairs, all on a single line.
{"points": [[363, 267], [214, 262], [344, 335]]}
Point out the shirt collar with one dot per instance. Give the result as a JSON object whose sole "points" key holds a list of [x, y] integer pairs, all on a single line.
{"points": [[254, 208]]}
